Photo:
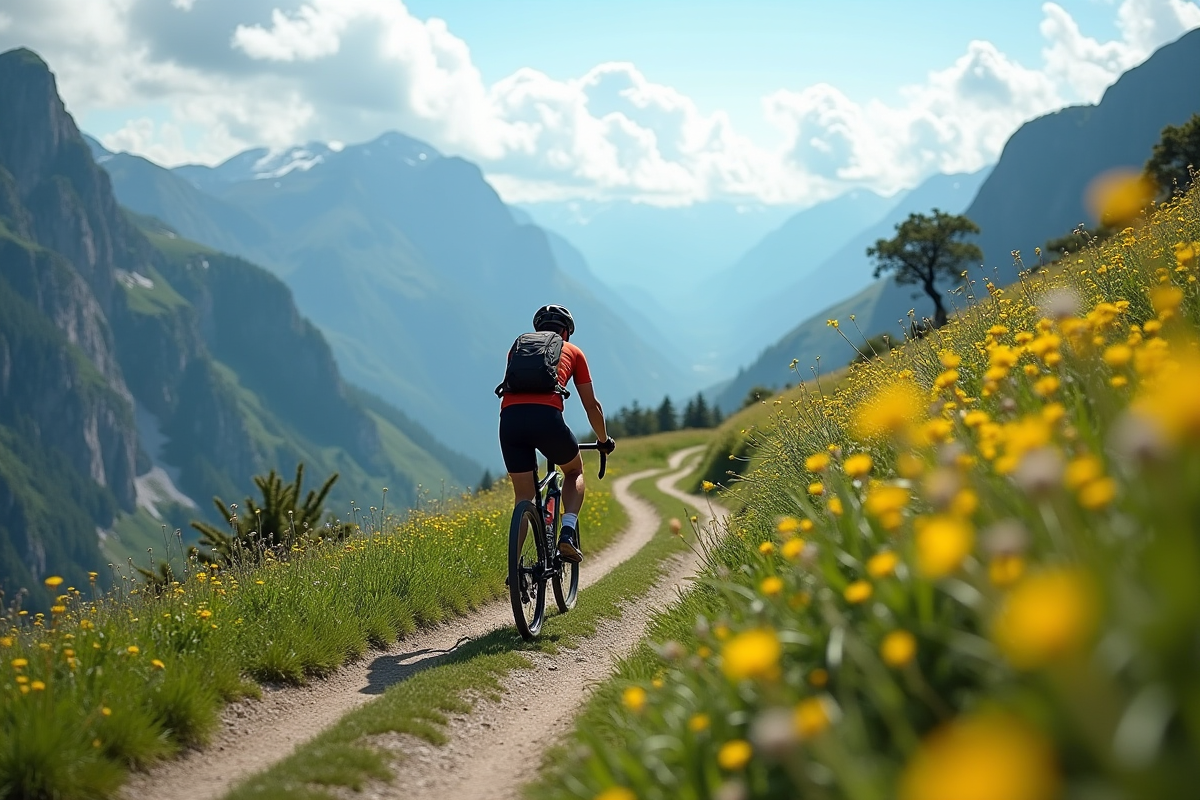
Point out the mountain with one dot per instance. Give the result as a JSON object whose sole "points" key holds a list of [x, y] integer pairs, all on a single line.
{"points": [[847, 270], [412, 266], [658, 260], [1034, 193], [658, 248], [141, 373], [188, 210], [806, 239]]}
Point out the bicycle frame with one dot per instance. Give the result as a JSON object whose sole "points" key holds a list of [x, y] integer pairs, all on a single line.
{"points": [[543, 512], [550, 489]]}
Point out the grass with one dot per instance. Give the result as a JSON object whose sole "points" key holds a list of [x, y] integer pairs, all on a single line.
{"points": [[343, 755], [108, 683], [969, 571]]}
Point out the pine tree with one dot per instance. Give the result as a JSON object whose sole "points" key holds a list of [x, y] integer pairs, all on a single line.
{"points": [[486, 482], [689, 414], [667, 420]]}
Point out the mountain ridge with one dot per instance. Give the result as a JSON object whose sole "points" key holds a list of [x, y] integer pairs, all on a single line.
{"points": [[383, 243], [113, 328]]}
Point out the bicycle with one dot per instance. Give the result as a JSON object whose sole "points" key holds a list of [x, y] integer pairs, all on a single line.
{"points": [[529, 570]]}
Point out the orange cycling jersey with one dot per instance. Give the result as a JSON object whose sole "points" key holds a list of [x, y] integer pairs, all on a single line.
{"points": [[573, 364]]}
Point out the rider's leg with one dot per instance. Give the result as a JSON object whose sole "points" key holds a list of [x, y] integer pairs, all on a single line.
{"points": [[573, 485], [524, 488], [568, 542]]}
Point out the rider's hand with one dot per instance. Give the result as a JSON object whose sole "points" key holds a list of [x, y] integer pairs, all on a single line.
{"points": [[609, 446]]}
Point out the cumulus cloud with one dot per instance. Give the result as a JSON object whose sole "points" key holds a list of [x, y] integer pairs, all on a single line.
{"points": [[1089, 66], [201, 80]]}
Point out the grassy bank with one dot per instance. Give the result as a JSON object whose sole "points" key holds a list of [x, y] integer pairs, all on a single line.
{"points": [[343, 757], [106, 683], [970, 572]]}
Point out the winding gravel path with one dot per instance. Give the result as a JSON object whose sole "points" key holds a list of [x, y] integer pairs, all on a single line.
{"points": [[490, 751], [497, 748]]}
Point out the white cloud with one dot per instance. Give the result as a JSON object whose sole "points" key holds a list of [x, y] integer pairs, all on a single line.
{"points": [[307, 35], [277, 72], [1088, 66]]}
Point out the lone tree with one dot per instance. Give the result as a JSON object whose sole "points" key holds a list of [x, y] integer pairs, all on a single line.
{"points": [[925, 249], [1175, 156]]}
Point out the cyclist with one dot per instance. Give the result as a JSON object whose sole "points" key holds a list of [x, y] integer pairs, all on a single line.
{"points": [[531, 422]]}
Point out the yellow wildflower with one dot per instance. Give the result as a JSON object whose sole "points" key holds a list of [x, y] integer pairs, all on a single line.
{"points": [[1118, 355], [1166, 300], [1005, 569], [943, 542], [858, 465], [792, 548], [1046, 616], [734, 755], [889, 412], [817, 462], [752, 654], [634, 698], [53, 582], [858, 592], [811, 717], [882, 564], [988, 757], [898, 648], [698, 723], [1098, 494], [766, 548], [787, 526], [616, 793], [771, 586]]}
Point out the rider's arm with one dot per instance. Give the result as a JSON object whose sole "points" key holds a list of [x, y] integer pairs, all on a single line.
{"points": [[595, 414]]}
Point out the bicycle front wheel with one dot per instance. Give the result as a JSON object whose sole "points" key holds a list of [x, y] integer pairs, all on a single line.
{"points": [[526, 569]]}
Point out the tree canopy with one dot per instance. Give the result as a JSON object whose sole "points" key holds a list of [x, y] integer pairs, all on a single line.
{"points": [[1175, 156], [927, 248]]}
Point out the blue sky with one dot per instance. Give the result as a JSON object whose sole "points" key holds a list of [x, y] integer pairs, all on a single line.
{"points": [[662, 102]]}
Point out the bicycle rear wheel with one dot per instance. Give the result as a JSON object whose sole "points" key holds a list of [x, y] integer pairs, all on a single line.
{"points": [[526, 576]]}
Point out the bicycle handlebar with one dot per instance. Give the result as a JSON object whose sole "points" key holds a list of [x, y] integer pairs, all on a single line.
{"points": [[603, 456]]}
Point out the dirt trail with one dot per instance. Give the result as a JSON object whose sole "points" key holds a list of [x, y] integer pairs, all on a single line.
{"points": [[255, 734], [496, 749]]}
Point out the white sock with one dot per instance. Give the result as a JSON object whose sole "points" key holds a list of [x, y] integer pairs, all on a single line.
{"points": [[571, 521]]}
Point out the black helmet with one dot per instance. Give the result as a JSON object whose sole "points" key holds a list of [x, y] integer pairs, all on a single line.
{"points": [[555, 315]]}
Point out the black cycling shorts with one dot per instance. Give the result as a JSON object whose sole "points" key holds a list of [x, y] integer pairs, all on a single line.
{"points": [[530, 427]]}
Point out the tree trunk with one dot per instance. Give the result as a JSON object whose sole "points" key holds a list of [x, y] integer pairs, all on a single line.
{"points": [[939, 308]]}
